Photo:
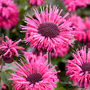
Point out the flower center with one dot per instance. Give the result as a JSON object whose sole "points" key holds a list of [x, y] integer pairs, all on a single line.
{"points": [[86, 66], [4, 5], [33, 78], [48, 30]]}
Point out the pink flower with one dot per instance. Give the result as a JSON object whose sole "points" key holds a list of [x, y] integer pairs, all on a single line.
{"points": [[8, 14], [72, 5], [34, 76], [36, 2], [79, 68], [82, 28], [49, 31], [9, 47]]}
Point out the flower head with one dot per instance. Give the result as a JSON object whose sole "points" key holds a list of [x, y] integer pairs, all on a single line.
{"points": [[72, 5], [8, 14], [9, 47], [82, 28], [79, 68], [49, 31], [36, 2], [34, 75]]}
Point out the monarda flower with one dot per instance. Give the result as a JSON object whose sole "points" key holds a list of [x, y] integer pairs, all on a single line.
{"points": [[72, 5], [34, 75], [8, 14], [82, 29], [9, 47], [36, 2], [49, 31], [79, 68]]}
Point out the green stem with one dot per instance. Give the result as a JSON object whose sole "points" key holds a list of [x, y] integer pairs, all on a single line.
{"points": [[49, 57], [1, 66], [7, 32]]}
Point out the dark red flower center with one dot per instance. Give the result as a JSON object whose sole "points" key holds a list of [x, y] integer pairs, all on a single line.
{"points": [[86, 66], [33, 78], [4, 5], [48, 30]]}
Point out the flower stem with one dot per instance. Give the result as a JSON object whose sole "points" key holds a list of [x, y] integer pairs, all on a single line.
{"points": [[7, 32], [49, 57], [1, 66]]}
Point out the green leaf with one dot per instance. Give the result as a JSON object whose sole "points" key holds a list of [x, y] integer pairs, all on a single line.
{"points": [[17, 59], [23, 58], [60, 59], [5, 75], [59, 87]]}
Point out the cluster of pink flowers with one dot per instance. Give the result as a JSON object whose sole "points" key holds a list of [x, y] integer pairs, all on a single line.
{"points": [[36, 2], [46, 31], [50, 32], [72, 5], [79, 68], [8, 14]]}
